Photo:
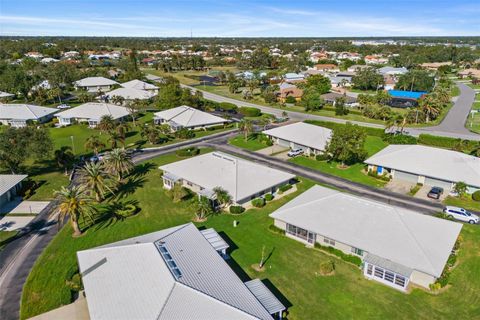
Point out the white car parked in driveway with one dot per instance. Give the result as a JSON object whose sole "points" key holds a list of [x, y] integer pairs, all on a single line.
{"points": [[295, 152], [461, 214]]}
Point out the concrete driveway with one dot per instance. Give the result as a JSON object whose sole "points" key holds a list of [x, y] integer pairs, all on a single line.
{"points": [[399, 186], [273, 150], [422, 194], [11, 223], [18, 206]]}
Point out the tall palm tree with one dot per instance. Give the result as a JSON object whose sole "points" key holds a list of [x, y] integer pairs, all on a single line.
{"points": [[64, 157], [74, 203], [202, 208], [122, 129], [118, 162], [429, 106], [151, 133], [94, 143], [245, 126], [106, 124], [223, 197], [95, 179], [114, 138]]}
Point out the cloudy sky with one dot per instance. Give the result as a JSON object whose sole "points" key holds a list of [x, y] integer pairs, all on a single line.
{"points": [[177, 18]]}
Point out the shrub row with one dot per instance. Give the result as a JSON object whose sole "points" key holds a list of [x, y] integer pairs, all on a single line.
{"points": [[250, 112], [269, 197], [258, 202], [444, 142], [342, 255], [236, 209], [399, 139], [383, 177], [188, 152], [285, 187], [227, 107], [322, 157], [276, 229]]}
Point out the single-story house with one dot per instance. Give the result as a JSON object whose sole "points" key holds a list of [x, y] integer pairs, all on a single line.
{"points": [[140, 85], [289, 90], [187, 117], [392, 71], [397, 246], [427, 165], [10, 184], [243, 180], [95, 84], [294, 77], [311, 138], [357, 67], [175, 273], [338, 82], [154, 78], [18, 115], [404, 99], [327, 67], [92, 112], [435, 65], [128, 94], [332, 97]]}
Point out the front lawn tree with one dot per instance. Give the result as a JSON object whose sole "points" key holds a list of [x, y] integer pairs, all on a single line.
{"points": [[245, 126], [95, 179], [460, 188], [94, 143], [64, 157], [107, 124], [311, 99], [347, 144], [319, 83], [223, 197], [368, 79], [118, 163], [74, 203], [202, 208]]}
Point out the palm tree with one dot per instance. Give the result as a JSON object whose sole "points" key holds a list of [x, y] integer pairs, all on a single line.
{"points": [[246, 127], [115, 137], [95, 179], [74, 203], [106, 124], [64, 157], [118, 100], [151, 133], [122, 129], [202, 208], [223, 197], [118, 162], [429, 106], [94, 143]]}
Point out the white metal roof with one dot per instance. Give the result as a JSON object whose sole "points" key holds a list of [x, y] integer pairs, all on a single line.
{"points": [[24, 111], [8, 181], [265, 296], [153, 77], [392, 70], [431, 162], [131, 279], [189, 117], [94, 81], [130, 94], [139, 85], [414, 240], [214, 239], [305, 134], [94, 111], [241, 178]]}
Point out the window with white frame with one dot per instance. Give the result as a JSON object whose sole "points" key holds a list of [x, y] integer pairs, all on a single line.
{"points": [[301, 233], [358, 252], [329, 241]]}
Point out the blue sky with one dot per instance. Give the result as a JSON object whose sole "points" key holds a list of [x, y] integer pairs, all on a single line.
{"points": [[176, 18]]}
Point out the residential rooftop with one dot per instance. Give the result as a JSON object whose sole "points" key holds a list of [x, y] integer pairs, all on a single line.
{"points": [[304, 134], [16, 111], [94, 111]]}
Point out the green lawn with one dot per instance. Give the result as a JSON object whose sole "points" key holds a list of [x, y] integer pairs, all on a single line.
{"points": [[374, 144], [292, 268], [252, 143], [5, 236], [466, 203]]}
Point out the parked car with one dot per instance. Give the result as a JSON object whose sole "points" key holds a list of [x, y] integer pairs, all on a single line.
{"points": [[461, 214], [295, 152], [435, 193], [63, 106]]}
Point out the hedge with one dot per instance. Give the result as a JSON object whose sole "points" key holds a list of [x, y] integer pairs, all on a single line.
{"points": [[258, 202], [188, 152], [127, 211], [444, 142], [250, 112], [276, 229], [399, 139], [332, 125], [476, 195], [285, 187], [269, 197], [321, 157], [236, 209], [227, 106], [342, 255]]}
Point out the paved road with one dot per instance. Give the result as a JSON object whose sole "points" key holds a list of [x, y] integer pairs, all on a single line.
{"points": [[18, 257], [452, 126]]}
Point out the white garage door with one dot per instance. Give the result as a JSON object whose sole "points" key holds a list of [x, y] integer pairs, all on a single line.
{"points": [[404, 176], [284, 143], [438, 183]]}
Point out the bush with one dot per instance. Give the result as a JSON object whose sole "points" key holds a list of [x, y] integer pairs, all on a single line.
{"points": [[227, 107], [413, 190], [285, 187], [258, 202], [327, 267], [269, 197], [188, 152], [375, 175], [276, 229], [443, 280], [444, 142], [452, 259], [435, 286], [127, 211], [290, 99], [321, 157], [184, 134], [236, 209], [345, 257], [75, 283], [250, 112], [212, 128], [399, 139], [476, 195]]}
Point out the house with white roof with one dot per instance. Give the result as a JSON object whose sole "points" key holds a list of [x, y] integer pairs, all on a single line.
{"points": [[19, 115], [175, 273], [310, 138], [91, 112], [95, 84], [140, 85], [128, 94], [10, 184], [187, 117], [6, 95], [392, 71], [243, 180], [427, 165], [154, 78], [397, 246], [294, 77]]}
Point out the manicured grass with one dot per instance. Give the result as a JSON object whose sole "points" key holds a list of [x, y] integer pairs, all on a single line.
{"points": [[292, 268], [466, 203], [5, 236], [353, 173], [252, 143], [374, 144], [473, 86]]}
